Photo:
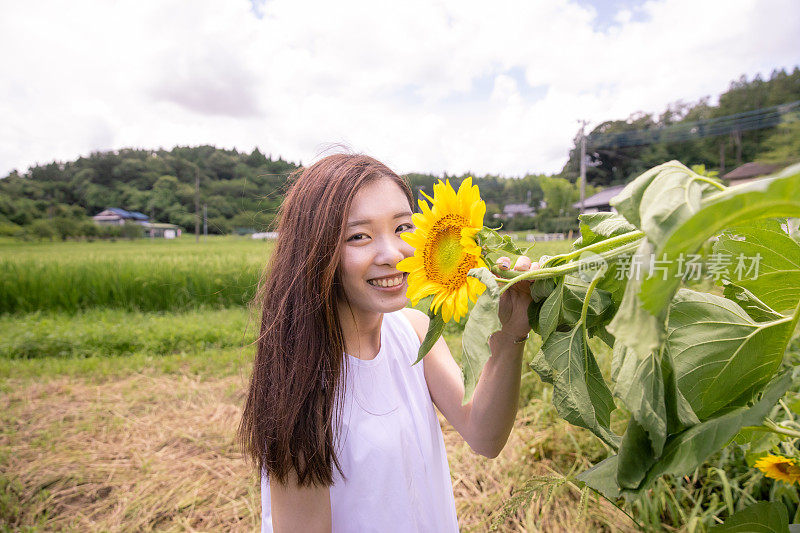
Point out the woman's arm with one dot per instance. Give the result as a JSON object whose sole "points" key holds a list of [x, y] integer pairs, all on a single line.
{"points": [[485, 422], [296, 508]]}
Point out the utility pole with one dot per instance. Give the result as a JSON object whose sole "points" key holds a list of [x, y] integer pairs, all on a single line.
{"points": [[583, 162], [196, 204]]}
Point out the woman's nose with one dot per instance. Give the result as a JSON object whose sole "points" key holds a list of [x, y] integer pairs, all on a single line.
{"points": [[393, 251]]}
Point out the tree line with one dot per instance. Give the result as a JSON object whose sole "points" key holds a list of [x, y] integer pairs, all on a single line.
{"points": [[610, 165], [242, 191]]}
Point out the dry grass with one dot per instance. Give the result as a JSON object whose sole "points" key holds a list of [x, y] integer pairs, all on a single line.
{"points": [[156, 452]]}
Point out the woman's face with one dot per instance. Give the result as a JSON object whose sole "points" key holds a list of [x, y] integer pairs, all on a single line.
{"points": [[379, 214]]}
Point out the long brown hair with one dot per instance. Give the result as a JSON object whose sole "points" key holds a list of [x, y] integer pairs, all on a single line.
{"points": [[288, 419]]}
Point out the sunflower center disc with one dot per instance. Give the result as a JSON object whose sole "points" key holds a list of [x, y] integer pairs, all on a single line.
{"points": [[444, 257]]}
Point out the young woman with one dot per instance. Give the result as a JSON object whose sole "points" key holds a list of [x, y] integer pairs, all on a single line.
{"points": [[339, 423]]}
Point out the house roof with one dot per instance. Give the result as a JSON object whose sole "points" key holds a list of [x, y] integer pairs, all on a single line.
{"points": [[128, 214], [601, 198], [750, 170]]}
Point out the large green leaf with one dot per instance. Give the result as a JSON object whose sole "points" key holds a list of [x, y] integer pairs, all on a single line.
{"points": [[628, 200], [435, 329], [563, 306], [600, 308], [596, 227], [761, 517], [550, 312], [615, 278], [721, 355], [762, 258], [481, 324], [758, 441], [679, 412], [647, 388], [632, 325], [640, 386], [639, 321], [671, 198], [687, 450], [636, 456], [736, 206], [758, 310], [580, 393], [602, 477], [494, 246]]}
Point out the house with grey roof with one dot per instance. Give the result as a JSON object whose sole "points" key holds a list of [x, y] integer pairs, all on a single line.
{"points": [[115, 216], [600, 201], [750, 172]]}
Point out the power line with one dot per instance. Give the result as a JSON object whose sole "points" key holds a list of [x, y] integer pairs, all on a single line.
{"points": [[748, 120]]}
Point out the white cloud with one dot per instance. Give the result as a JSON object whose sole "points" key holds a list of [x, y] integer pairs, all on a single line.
{"points": [[424, 86]]}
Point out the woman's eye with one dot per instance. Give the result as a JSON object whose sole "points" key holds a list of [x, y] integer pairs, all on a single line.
{"points": [[357, 237], [405, 227]]}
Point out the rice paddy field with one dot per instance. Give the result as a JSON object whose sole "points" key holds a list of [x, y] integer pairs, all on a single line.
{"points": [[144, 275], [123, 367]]}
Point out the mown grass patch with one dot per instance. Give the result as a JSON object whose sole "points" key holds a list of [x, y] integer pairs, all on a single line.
{"points": [[156, 450]]}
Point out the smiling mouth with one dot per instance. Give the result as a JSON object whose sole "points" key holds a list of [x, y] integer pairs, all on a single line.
{"points": [[388, 282]]}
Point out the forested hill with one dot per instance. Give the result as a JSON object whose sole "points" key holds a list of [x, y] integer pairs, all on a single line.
{"points": [[610, 164], [239, 189], [244, 190]]}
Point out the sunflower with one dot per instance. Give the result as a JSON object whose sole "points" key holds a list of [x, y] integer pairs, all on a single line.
{"points": [[779, 467], [445, 249]]}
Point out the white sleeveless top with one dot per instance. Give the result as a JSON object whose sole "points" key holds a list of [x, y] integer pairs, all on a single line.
{"points": [[391, 451]]}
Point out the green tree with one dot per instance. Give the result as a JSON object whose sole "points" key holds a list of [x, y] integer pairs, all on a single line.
{"points": [[43, 229]]}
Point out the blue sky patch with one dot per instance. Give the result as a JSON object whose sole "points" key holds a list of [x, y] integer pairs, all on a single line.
{"points": [[607, 9]]}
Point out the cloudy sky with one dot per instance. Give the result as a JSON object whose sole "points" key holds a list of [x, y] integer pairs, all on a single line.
{"points": [[426, 86]]}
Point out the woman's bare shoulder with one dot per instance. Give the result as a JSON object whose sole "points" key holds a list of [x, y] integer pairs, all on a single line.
{"points": [[418, 319]]}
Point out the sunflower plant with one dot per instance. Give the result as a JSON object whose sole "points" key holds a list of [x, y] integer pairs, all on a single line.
{"points": [[690, 368]]}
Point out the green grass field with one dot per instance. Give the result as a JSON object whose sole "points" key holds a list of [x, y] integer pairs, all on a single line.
{"points": [[141, 275]]}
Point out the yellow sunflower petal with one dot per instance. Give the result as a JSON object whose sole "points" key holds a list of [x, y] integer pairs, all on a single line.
{"points": [[416, 239], [475, 287], [468, 242], [409, 264], [477, 212], [422, 291], [426, 210], [462, 301]]}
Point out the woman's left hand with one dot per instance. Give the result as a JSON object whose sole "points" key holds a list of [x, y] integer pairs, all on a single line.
{"points": [[513, 307]]}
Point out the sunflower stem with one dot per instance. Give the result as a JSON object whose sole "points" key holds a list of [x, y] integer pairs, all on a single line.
{"points": [[601, 245], [704, 179], [561, 270], [771, 427]]}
